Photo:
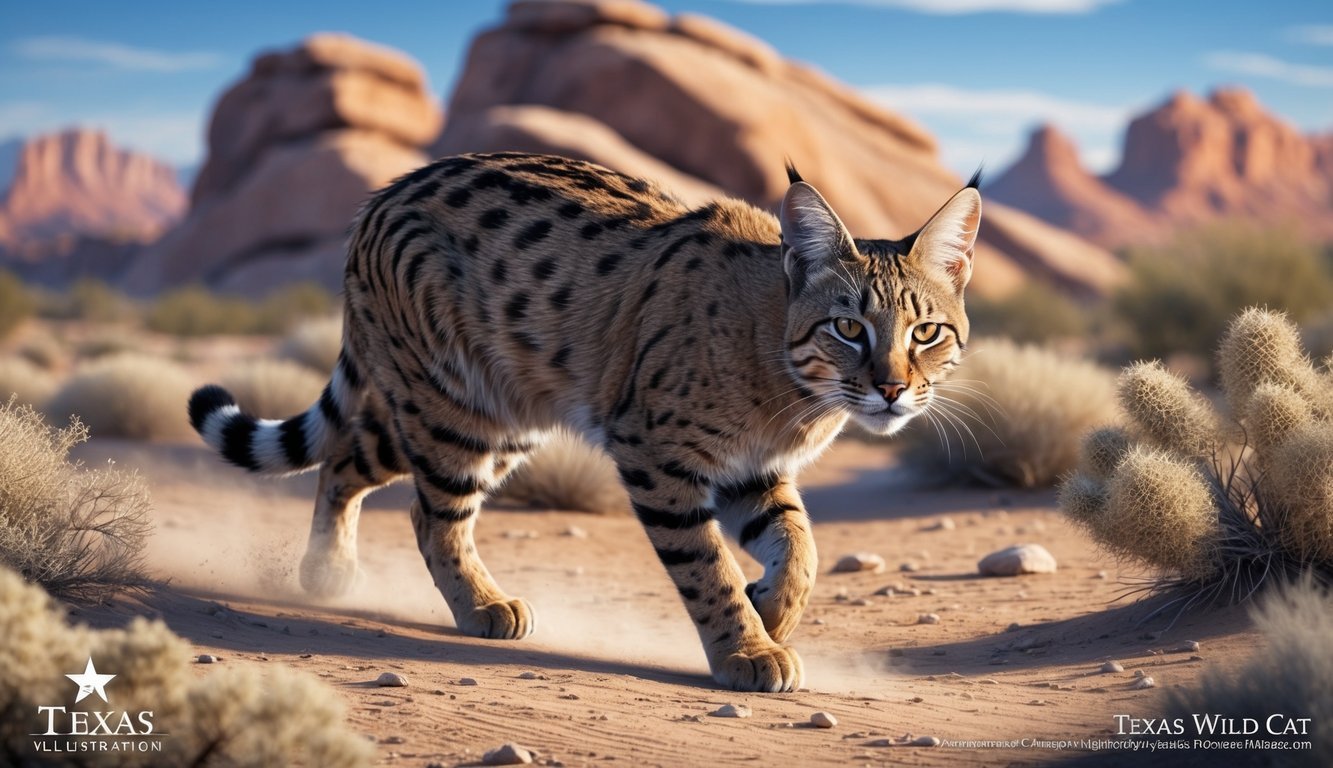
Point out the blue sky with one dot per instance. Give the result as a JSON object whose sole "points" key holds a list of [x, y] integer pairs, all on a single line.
{"points": [[977, 73]]}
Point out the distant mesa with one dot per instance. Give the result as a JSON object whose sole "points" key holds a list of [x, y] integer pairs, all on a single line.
{"points": [[75, 203], [1186, 162], [293, 149]]}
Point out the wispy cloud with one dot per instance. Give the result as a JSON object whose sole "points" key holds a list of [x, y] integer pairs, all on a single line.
{"points": [[988, 126], [1311, 34], [1270, 67], [115, 55], [958, 7]]}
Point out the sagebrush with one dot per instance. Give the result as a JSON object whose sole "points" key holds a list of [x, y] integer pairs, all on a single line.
{"points": [[1216, 503], [314, 343], [1012, 414], [80, 533], [27, 382], [196, 311], [127, 395], [16, 303], [227, 717], [1035, 312], [273, 389]]}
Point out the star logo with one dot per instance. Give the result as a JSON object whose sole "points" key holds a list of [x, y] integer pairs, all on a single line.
{"points": [[90, 682]]}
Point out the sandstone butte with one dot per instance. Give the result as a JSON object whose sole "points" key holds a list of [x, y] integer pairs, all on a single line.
{"points": [[1185, 163]]}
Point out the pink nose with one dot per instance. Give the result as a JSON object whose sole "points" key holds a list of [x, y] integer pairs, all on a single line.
{"points": [[892, 390]]}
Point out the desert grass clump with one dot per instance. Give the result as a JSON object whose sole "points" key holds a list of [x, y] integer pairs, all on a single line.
{"points": [[1217, 506], [196, 311], [227, 717], [16, 303], [77, 532], [273, 389], [314, 343], [570, 474], [1034, 313], [1290, 678], [25, 381], [127, 395], [1012, 414]]}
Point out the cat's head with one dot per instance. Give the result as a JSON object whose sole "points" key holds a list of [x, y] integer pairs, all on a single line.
{"points": [[872, 325]]}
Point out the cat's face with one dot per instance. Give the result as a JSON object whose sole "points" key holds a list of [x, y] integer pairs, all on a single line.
{"points": [[873, 324]]}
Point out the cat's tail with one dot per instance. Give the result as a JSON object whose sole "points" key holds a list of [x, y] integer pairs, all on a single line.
{"points": [[272, 446]]}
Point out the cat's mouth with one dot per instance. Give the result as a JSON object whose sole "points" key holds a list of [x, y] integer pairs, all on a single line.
{"points": [[886, 418]]}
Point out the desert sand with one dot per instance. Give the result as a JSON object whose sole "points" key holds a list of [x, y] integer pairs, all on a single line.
{"points": [[614, 672]]}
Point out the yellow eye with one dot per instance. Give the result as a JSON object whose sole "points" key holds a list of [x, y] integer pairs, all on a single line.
{"points": [[925, 333], [848, 329]]}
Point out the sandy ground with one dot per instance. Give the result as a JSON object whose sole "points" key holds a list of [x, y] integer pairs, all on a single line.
{"points": [[615, 672]]}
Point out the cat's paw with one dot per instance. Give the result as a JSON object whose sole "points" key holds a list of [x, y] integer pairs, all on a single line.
{"points": [[771, 669], [780, 610], [327, 573], [511, 619]]}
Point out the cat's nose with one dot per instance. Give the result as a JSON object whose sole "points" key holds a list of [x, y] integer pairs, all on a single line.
{"points": [[892, 390]]}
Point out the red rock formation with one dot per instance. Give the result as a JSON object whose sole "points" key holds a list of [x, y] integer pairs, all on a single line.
{"points": [[706, 107], [77, 184], [1187, 162], [1050, 182], [294, 148]]}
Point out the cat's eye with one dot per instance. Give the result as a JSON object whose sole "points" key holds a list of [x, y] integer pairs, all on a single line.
{"points": [[848, 328], [925, 333]]}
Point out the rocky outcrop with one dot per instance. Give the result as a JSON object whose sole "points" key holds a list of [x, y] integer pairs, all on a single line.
{"points": [[1186, 162], [1050, 182], [704, 107], [293, 150], [77, 184]]}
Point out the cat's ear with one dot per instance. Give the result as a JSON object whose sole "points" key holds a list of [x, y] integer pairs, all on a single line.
{"points": [[813, 236], [945, 245]]}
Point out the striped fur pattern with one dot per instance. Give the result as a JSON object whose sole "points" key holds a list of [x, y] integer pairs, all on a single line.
{"points": [[491, 299]]}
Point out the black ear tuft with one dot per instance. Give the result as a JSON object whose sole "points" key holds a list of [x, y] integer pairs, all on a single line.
{"points": [[975, 181], [793, 175]]}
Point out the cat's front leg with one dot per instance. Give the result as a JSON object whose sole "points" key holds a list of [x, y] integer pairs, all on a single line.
{"points": [[677, 515], [769, 521]]}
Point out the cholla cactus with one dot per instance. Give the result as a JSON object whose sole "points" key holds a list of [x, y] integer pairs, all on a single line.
{"points": [[1217, 505]]}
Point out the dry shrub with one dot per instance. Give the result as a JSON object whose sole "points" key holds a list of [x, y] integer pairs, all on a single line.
{"points": [[315, 343], [228, 717], [127, 395], [91, 300], [1218, 506], [568, 473], [1291, 677], [44, 351], [1035, 312], [273, 389], [195, 311], [27, 382], [1013, 415], [79, 533], [16, 303]]}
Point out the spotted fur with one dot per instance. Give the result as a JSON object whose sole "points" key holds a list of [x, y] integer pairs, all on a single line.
{"points": [[491, 299]]}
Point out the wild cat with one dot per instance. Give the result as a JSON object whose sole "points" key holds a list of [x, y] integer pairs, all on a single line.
{"points": [[713, 352]]}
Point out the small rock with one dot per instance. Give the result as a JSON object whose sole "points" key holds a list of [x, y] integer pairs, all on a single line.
{"points": [[1140, 673], [468, 681], [1112, 666], [1012, 561], [507, 754], [928, 618], [880, 743], [1144, 682], [860, 602], [885, 591], [1189, 646], [924, 741], [391, 680], [943, 524], [1101, 575], [823, 720], [859, 561], [532, 676], [818, 622], [909, 567], [731, 710], [574, 532], [206, 658], [393, 740]]}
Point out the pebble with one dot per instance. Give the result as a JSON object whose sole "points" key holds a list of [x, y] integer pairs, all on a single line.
{"points": [[928, 618], [859, 561], [507, 754], [1140, 673], [391, 680], [1112, 666], [909, 567], [1015, 560], [1189, 646], [1101, 575], [206, 658], [925, 741], [394, 740], [575, 532], [885, 591], [860, 602], [823, 720], [468, 681], [819, 622], [532, 676], [943, 524], [1144, 682], [518, 534], [731, 710]]}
